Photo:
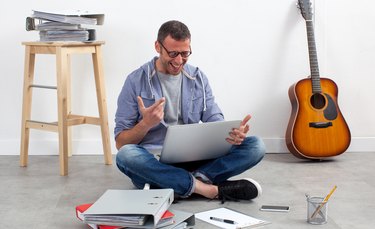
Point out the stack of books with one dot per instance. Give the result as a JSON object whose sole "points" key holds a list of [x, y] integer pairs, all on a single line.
{"points": [[135, 209], [65, 25]]}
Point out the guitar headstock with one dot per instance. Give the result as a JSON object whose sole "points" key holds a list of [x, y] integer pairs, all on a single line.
{"points": [[306, 9]]}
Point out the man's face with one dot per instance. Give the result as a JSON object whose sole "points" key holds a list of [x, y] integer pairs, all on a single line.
{"points": [[172, 65]]}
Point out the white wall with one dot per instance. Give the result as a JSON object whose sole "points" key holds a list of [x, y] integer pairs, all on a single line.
{"points": [[251, 50]]}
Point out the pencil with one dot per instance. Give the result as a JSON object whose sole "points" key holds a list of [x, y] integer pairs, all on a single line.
{"points": [[324, 202]]}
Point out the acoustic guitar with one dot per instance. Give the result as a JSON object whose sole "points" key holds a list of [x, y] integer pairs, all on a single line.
{"points": [[316, 128]]}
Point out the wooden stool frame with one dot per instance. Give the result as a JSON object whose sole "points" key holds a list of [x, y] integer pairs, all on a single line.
{"points": [[62, 51]]}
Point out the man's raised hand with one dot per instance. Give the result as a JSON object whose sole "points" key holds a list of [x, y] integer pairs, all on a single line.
{"points": [[237, 135], [153, 114]]}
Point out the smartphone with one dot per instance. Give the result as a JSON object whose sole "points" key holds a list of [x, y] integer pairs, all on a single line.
{"points": [[274, 208]]}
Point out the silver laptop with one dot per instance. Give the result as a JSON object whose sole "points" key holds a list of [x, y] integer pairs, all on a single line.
{"points": [[195, 142]]}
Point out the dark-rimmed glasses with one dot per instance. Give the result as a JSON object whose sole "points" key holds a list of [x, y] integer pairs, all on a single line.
{"points": [[174, 54]]}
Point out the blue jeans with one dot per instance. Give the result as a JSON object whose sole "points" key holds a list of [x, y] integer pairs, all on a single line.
{"points": [[142, 167]]}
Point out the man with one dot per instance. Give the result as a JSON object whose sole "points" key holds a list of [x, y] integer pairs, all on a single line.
{"points": [[168, 91]]}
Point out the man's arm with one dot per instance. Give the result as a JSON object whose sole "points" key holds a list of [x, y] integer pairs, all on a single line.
{"points": [[132, 136], [152, 116]]}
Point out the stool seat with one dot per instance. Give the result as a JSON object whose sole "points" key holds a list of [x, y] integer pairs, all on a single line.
{"points": [[63, 51]]}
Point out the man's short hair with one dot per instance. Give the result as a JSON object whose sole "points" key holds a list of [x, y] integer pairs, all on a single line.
{"points": [[178, 31]]}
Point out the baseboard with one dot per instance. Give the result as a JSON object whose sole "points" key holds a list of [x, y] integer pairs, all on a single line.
{"points": [[51, 147], [94, 146]]}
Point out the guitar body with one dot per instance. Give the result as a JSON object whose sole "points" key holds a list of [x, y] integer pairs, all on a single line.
{"points": [[316, 127]]}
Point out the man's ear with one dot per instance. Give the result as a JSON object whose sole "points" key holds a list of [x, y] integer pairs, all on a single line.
{"points": [[157, 47]]}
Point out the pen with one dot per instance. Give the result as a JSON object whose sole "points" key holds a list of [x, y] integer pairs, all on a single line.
{"points": [[223, 220]]}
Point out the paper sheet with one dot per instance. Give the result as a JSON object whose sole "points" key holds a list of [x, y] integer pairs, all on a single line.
{"points": [[241, 220]]}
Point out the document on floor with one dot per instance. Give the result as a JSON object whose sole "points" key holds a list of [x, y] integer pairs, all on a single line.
{"points": [[229, 219]]}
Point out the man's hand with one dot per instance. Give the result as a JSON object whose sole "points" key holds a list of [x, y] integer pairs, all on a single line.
{"points": [[237, 135], [153, 114]]}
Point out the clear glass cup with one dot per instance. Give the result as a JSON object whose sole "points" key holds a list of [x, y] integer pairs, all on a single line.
{"points": [[317, 210]]}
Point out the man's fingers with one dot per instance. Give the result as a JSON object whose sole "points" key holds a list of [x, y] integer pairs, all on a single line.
{"points": [[140, 102], [245, 120], [156, 104], [159, 102], [247, 128], [151, 115]]}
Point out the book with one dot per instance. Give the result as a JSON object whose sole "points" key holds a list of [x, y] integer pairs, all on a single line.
{"points": [[229, 219], [129, 208], [166, 219]]}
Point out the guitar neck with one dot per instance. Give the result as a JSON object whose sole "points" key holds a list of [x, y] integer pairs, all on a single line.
{"points": [[313, 57]]}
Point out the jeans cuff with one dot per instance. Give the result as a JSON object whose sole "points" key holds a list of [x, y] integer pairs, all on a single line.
{"points": [[192, 187]]}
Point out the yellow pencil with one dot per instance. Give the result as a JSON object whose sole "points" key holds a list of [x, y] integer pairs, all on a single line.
{"points": [[330, 194], [324, 202]]}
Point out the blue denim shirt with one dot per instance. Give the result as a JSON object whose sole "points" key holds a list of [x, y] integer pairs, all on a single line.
{"points": [[197, 102]]}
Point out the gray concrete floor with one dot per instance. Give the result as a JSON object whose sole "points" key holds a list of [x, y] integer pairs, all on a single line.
{"points": [[38, 197]]}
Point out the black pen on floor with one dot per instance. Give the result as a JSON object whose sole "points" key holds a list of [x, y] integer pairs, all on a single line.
{"points": [[223, 220]]}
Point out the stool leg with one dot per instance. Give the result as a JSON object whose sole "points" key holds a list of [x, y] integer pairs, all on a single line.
{"points": [[62, 76], [26, 104], [102, 103], [68, 103]]}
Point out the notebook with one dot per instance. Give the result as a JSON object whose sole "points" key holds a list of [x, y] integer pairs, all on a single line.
{"points": [[196, 142]]}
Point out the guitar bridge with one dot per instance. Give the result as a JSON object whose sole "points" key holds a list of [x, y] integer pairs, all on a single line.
{"points": [[320, 124]]}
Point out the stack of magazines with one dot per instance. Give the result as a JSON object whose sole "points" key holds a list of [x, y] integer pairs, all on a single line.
{"points": [[65, 25]]}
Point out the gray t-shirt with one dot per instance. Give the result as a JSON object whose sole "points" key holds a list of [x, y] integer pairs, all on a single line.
{"points": [[171, 87]]}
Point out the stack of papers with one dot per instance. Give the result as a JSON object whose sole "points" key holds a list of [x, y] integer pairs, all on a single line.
{"points": [[64, 25], [64, 35], [51, 25], [128, 220]]}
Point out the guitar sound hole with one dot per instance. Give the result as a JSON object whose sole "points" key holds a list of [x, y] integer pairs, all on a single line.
{"points": [[318, 101]]}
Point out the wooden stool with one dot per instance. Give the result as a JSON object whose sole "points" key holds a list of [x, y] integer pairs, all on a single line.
{"points": [[63, 50]]}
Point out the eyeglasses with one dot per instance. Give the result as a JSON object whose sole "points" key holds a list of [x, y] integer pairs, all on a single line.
{"points": [[174, 54]]}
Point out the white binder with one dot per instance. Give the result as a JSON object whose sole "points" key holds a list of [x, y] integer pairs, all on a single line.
{"points": [[135, 208]]}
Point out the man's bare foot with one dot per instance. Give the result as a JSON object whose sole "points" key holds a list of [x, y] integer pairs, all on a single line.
{"points": [[207, 190]]}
